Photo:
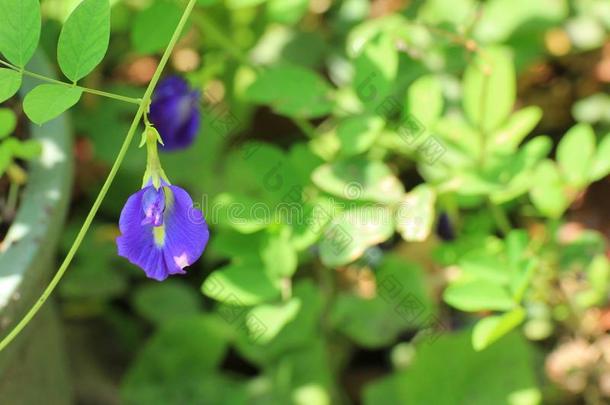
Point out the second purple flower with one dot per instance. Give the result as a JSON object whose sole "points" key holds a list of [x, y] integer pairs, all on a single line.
{"points": [[175, 113]]}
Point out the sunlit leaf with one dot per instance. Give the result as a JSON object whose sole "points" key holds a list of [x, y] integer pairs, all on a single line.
{"points": [[48, 101], [357, 134], [84, 39], [519, 125], [10, 82], [241, 284], [376, 67], [549, 195], [425, 100], [478, 295], [8, 122], [265, 321], [278, 254], [352, 232], [292, 90], [575, 154], [491, 328], [359, 179], [19, 30], [601, 162], [489, 88], [286, 11], [26, 150], [415, 215]]}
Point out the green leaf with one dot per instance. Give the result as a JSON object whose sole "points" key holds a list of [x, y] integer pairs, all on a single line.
{"points": [[425, 100], [84, 39], [153, 27], [8, 122], [593, 109], [264, 322], [299, 332], [519, 125], [601, 162], [489, 88], [166, 301], [575, 154], [10, 82], [264, 173], [177, 365], [520, 167], [27, 150], [478, 295], [548, 196], [446, 11], [598, 275], [482, 265], [241, 213], [19, 30], [522, 279], [231, 244], [316, 214], [242, 284], [286, 11], [278, 255], [359, 179], [243, 3], [352, 232], [48, 101], [448, 371], [415, 215], [358, 133], [291, 90], [401, 303], [489, 329], [375, 71]]}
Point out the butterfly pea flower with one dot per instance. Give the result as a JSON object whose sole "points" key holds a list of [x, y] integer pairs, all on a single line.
{"points": [[174, 111], [161, 231]]}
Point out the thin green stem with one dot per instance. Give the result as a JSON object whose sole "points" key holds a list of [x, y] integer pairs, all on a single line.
{"points": [[500, 217], [84, 89], [113, 171]]}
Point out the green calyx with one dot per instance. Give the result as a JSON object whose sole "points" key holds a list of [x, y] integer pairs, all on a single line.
{"points": [[154, 172]]}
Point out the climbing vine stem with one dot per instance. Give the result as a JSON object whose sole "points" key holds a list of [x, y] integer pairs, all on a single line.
{"points": [[143, 109], [84, 89]]}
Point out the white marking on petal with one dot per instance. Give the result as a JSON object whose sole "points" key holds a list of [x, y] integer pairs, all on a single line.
{"points": [[181, 261]]}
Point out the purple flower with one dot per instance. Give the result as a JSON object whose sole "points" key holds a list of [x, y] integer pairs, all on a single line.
{"points": [[174, 112], [161, 231]]}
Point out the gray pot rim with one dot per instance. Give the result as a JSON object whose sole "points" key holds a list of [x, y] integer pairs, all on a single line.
{"points": [[26, 253]]}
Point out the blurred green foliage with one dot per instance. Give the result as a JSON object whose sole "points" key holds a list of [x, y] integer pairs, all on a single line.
{"points": [[338, 139]]}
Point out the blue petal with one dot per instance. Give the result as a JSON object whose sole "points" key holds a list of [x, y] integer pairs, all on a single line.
{"points": [[187, 133], [170, 86], [186, 232], [178, 243], [153, 205], [174, 111]]}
